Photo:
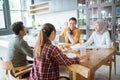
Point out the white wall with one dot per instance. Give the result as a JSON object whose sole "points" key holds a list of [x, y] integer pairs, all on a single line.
{"points": [[58, 19]]}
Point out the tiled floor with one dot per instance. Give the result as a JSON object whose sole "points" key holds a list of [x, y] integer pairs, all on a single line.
{"points": [[101, 74]]}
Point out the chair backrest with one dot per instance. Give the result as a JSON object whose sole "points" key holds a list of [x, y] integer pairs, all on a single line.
{"points": [[12, 77], [7, 65]]}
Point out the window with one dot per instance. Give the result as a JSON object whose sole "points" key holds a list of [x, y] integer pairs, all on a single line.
{"points": [[12, 11], [2, 24], [19, 11]]}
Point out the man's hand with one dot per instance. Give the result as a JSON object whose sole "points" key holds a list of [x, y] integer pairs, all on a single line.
{"points": [[68, 33]]}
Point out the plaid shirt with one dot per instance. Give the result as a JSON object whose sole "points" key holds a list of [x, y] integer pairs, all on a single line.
{"points": [[48, 67]]}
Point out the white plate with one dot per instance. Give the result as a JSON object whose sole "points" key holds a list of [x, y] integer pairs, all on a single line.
{"points": [[71, 55], [60, 44]]}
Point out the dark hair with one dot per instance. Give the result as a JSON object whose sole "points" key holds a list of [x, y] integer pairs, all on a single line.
{"points": [[17, 27], [48, 28], [45, 32], [73, 18]]}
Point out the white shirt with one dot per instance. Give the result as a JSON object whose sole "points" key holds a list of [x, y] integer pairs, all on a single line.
{"points": [[99, 40]]}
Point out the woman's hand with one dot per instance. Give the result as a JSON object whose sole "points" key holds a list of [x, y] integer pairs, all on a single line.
{"points": [[68, 33]]}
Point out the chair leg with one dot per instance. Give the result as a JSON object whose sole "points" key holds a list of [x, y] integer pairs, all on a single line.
{"points": [[110, 69], [115, 64], [70, 75], [6, 75]]}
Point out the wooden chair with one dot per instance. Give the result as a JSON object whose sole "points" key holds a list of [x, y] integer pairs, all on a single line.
{"points": [[109, 62], [16, 72], [114, 58], [18, 76], [7, 66]]}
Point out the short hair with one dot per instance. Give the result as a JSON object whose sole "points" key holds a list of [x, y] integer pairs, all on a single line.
{"points": [[73, 18], [17, 27]]}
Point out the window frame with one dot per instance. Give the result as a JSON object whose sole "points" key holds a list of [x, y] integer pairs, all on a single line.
{"points": [[7, 19]]}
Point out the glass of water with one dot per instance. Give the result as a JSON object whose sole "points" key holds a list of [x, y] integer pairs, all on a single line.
{"points": [[94, 49], [82, 51]]}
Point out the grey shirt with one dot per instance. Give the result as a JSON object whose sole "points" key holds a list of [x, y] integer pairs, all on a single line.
{"points": [[18, 50]]}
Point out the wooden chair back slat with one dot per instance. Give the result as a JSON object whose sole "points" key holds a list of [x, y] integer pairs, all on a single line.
{"points": [[10, 70], [7, 65]]}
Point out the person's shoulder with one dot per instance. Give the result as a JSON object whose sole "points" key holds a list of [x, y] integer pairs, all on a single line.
{"points": [[19, 38], [94, 33], [22, 41], [53, 47], [106, 32], [67, 28], [16, 39], [77, 29]]}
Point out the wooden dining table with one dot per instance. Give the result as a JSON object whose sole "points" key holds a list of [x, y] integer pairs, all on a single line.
{"points": [[87, 68]]}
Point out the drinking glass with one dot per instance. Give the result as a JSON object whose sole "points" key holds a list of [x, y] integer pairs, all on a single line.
{"points": [[82, 51], [94, 49]]}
